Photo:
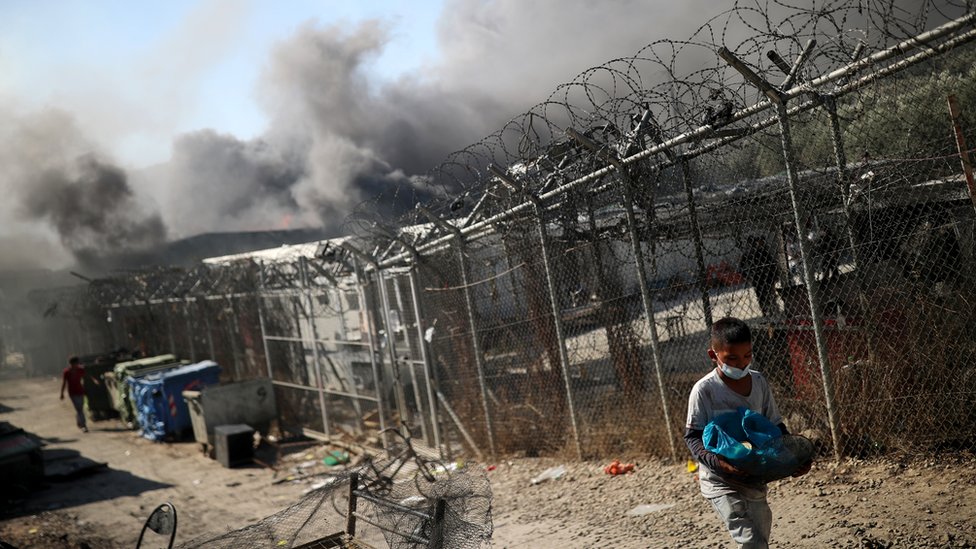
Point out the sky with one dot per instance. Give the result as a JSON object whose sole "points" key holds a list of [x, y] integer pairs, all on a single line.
{"points": [[112, 58]]}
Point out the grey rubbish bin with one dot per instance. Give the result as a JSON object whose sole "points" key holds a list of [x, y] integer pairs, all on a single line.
{"points": [[249, 402]]}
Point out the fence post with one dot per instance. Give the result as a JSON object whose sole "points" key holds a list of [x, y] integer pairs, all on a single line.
{"points": [[313, 334], [189, 329], [786, 139], [648, 304], [557, 320], [696, 235], [475, 341], [169, 326], [400, 395], [344, 330], [364, 308], [235, 332], [457, 242], [206, 322], [261, 323], [647, 301], [112, 317], [411, 359], [808, 277], [428, 369], [840, 158], [843, 179]]}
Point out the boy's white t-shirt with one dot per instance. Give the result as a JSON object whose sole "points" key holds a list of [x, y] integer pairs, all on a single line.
{"points": [[711, 397]]}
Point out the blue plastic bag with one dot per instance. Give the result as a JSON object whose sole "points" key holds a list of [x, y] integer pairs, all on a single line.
{"points": [[772, 455], [759, 430], [724, 436]]}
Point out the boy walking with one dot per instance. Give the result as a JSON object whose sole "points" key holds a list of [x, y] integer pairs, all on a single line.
{"points": [[71, 378], [739, 499]]}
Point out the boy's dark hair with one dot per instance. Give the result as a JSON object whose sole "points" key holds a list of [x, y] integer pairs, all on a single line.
{"points": [[730, 331], [74, 360]]}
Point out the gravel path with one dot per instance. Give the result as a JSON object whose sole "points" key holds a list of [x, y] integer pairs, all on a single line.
{"points": [[864, 504], [873, 504]]}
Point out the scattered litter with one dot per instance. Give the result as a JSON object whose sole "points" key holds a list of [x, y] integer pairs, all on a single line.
{"points": [[408, 501], [551, 473], [289, 478], [128, 453], [449, 467], [491, 468], [32, 531], [691, 467], [336, 457], [196, 482], [648, 508], [371, 419], [616, 468], [307, 464], [316, 486]]}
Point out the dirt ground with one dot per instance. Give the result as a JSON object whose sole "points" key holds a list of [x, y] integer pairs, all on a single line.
{"points": [[864, 504]]}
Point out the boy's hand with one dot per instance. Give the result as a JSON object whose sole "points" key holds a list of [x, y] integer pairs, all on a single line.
{"points": [[729, 469], [804, 469]]}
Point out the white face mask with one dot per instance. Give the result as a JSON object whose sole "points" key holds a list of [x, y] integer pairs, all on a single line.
{"points": [[733, 373]]}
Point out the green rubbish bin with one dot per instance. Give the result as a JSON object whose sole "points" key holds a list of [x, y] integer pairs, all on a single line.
{"points": [[135, 368], [98, 401]]}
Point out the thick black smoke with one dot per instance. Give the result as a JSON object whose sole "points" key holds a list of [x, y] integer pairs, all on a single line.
{"points": [[60, 192], [92, 207], [338, 136]]}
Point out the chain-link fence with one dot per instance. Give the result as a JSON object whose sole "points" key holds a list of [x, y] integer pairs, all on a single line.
{"points": [[799, 168]]}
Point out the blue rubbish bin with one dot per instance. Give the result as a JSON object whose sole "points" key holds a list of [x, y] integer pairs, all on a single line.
{"points": [[158, 398]]}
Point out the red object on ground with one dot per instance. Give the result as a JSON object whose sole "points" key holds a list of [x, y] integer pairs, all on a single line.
{"points": [[491, 467], [616, 468]]}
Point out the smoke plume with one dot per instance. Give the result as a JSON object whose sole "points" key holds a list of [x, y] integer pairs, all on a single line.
{"points": [[338, 135], [53, 178], [91, 205]]}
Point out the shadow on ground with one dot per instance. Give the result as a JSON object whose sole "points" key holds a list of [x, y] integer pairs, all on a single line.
{"points": [[102, 483]]}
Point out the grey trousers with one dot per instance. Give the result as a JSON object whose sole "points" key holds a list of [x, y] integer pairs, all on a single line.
{"points": [[749, 522], [79, 402]]}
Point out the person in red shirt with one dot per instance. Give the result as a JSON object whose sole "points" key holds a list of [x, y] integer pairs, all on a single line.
{"points": [[71, 378]]}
